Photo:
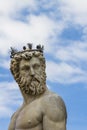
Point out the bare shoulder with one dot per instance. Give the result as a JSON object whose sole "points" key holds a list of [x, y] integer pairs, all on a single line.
{"points": [[13, 119], [54, 106], [52, 99], [15, 114]]}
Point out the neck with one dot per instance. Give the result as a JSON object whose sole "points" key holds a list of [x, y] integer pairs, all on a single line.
{"points": [[29, 98]]}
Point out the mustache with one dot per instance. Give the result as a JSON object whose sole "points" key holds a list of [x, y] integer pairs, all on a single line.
{"points": [[36, 78]]}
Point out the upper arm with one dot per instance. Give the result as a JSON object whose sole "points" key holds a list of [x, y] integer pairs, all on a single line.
{"points": [[54, 113], [13, 119], [49, 124], [12, 122]]}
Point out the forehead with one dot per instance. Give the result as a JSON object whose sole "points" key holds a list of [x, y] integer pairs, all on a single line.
{"points": [[32, 61]]}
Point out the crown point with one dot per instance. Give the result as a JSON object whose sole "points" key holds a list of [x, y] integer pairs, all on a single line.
{"points": [[40, 48], [29, 45], [24, 47]]}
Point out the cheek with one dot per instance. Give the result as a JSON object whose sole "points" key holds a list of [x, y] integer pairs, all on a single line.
{"points": [[24, 73], [38, 71]]}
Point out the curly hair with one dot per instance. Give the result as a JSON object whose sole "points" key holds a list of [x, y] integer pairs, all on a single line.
{"points": [[14, 66]]}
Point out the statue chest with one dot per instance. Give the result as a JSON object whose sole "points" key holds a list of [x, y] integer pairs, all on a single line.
{"points": [[30, 116]]}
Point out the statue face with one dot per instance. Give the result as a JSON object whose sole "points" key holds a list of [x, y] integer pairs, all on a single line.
{"points": [[32, 78], [29, 68]]}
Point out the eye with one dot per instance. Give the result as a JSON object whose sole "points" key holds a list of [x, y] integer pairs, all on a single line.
{"points": [[25, 68], [36, 66]]}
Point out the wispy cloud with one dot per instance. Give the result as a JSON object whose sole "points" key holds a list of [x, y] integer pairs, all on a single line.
{"points": [[76, 9], [64, 73], [43, 26], [4, 63], [9, 97], [38, 29], [73, 51], [4, 75]]}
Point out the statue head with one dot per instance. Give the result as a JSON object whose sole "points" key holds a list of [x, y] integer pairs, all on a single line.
{"points": [[28, 69]]}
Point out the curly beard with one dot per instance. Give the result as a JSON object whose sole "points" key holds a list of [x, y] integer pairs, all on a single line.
{"points": [[33, 85]]}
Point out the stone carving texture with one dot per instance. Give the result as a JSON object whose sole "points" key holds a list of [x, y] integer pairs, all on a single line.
{"points": [[41, 108]]}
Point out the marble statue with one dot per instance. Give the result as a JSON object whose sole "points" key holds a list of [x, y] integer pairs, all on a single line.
{"points": [[41, 108]]}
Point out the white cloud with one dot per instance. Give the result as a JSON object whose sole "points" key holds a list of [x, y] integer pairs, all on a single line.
{"points": [[8, 6], [4, 63], [74, 11], [9, 97], [74, 51], [78, 6], [9, 85], [4, 75], [39, 29], [42, 29], [64, 73], [5, 111]]}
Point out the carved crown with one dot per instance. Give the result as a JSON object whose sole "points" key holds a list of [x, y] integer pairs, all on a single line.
{"points": [[26, 49]]}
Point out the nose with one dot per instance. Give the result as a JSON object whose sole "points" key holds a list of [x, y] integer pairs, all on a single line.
{"points": [[32, 71]]}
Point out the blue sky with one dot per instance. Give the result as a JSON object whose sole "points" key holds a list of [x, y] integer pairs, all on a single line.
{"points": [[61, 26]]}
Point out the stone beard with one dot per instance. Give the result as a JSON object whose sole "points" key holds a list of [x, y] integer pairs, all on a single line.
{"points": [[32, 85]]}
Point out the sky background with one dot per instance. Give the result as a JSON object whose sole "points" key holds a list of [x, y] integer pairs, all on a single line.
{"points": [[61, 26]]}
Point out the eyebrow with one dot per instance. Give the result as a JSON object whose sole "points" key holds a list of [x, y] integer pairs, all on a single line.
{"points": [[23, 66]]}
